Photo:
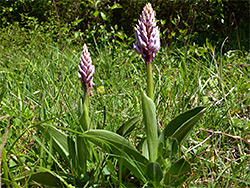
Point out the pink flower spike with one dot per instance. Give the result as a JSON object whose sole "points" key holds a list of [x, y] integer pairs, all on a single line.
{"points": [[147, 34], [86, 69]]}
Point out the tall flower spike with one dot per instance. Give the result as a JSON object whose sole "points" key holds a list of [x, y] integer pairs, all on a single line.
{"points": [[86, 70], [147, 35]]}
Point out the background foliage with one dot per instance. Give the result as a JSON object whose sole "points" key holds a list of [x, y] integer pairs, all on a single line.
{"points": [[198, 19]]}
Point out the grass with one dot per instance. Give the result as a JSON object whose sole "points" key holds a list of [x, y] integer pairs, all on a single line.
{"points": [[40, 84]]}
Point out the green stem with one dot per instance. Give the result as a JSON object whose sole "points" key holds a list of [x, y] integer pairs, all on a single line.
{"points": [[83, 112], [150, 85], [86, 98], [120, 163], [86, 101]]}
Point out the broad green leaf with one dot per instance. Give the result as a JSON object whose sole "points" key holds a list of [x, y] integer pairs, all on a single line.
{"points": [[128, 126], [179, 168], [72, 154], [41, 176], [180, 126], [154, 172], [149, 116], [145, 151], [177, 173], [60, 140], [116, 144], [110, 142], [118, 141], [138, 169], [82, 154]]}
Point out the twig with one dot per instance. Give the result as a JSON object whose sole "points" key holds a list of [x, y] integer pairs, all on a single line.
{"points": [[229, 135], [199, 143], [60, 34], [239, 64], [2, 146]]}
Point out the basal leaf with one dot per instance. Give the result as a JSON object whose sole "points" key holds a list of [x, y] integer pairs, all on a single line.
{"points": [[180, 167], [154, 172], [82, 153], [115, 144], [180, 126], [118, 141], [149, 116], [41, 176], [128, 126], [60, 140]]}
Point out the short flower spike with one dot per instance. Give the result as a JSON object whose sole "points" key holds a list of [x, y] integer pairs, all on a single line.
{"points": [[147, 35], [86, 70]]}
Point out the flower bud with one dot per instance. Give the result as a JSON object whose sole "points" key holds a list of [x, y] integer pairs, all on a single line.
{"points": [[86, 69]]}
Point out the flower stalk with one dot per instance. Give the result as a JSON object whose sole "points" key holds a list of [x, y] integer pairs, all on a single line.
{"points": [[150, 84], [148, 43]]}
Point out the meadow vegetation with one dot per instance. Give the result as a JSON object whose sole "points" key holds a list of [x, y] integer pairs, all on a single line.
{"points": [[195, 66]]}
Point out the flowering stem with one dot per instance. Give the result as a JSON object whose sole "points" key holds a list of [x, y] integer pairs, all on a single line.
{"points": [[150, 86], [86, 101], [83, 112]]}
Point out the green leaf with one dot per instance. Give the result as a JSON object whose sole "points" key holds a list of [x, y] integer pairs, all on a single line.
{"points": [[96, 13], [145, 151], [115, 6], [179, 168], [118, 141], [174, 146], [168, 149], [103, 16], [115, 144], [154, 172], [60, 140], [82, 154], [42, 176], [180, 126], [110, 142], [128, 126], [72, 150], [72, 153], [149, 115]]}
